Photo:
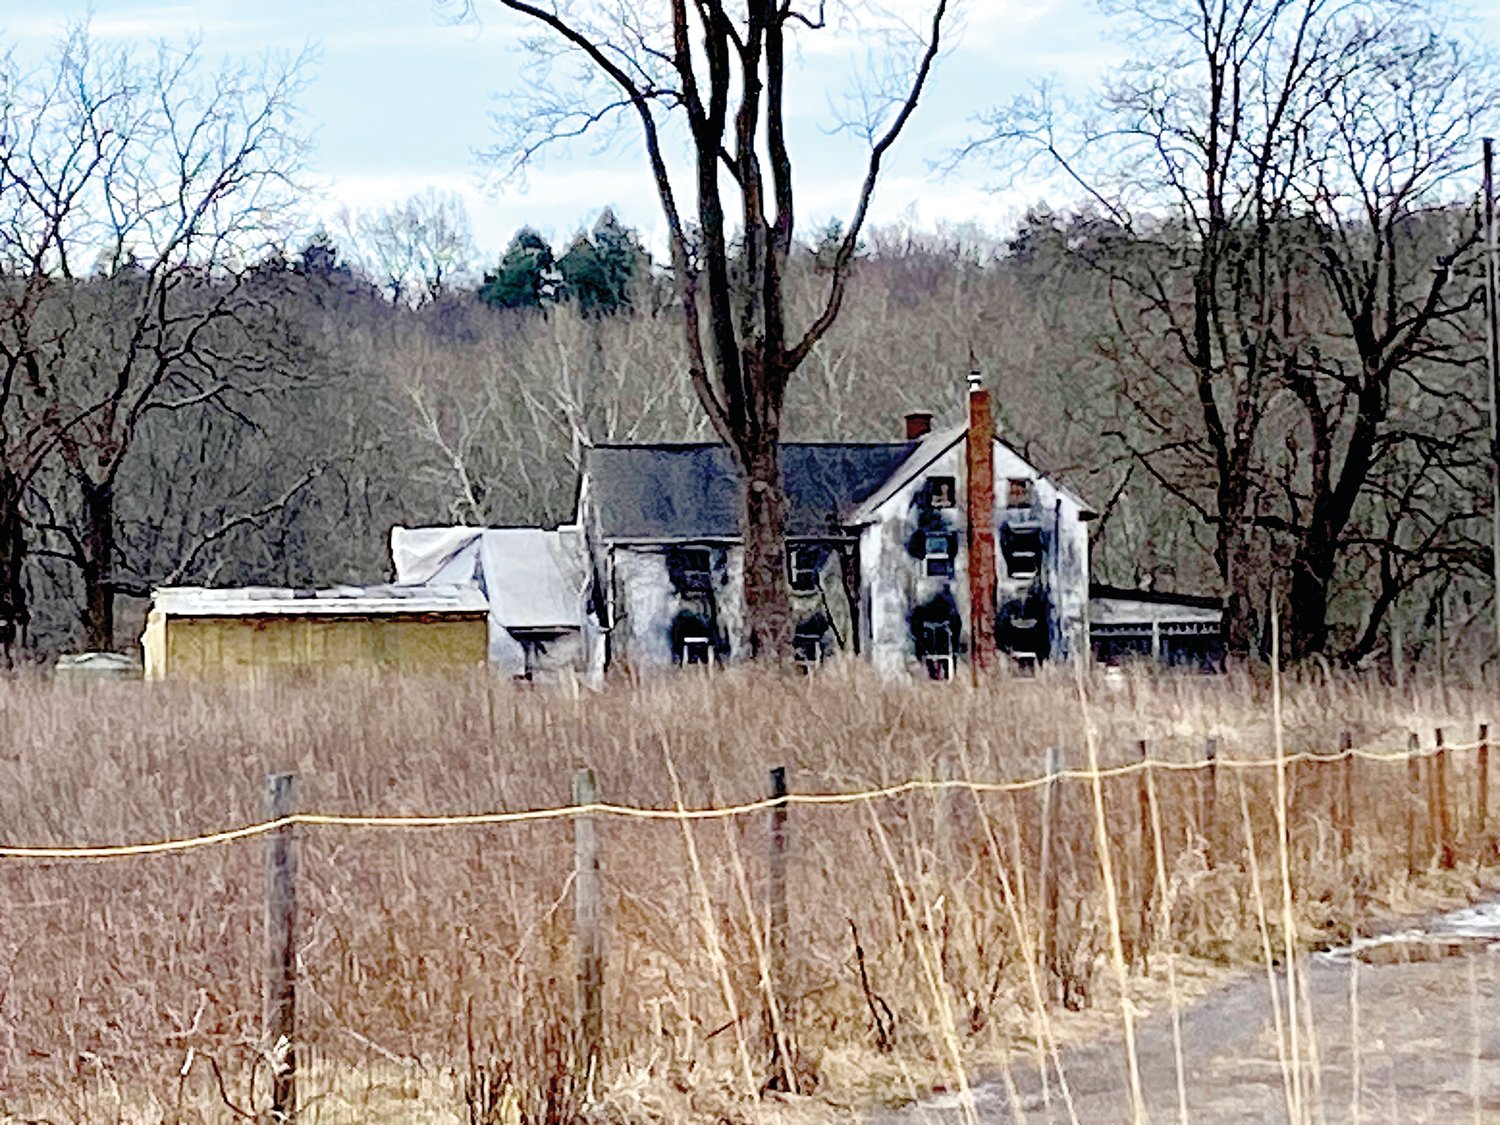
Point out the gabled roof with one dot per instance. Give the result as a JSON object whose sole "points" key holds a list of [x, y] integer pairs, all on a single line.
{"points": [[921, 457], [534, 578], [932, 446], [692, 491]]}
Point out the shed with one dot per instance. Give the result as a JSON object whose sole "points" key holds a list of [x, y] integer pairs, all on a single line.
{"points": [[1174, 630], [537, 585], [197, 633]]}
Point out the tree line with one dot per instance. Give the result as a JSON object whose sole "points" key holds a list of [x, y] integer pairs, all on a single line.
{"points": [[1252, 336]]}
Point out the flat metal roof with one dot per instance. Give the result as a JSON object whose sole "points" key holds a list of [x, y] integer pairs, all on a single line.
{"points": [[359, 601]]}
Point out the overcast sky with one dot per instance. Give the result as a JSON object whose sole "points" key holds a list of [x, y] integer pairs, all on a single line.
{"points": [[400, 100]]}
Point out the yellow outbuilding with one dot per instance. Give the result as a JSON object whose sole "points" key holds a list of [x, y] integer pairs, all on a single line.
{"points": [[193, 633]]}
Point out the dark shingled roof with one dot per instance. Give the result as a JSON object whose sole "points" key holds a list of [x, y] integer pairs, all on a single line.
{"points": [[693, 492]]}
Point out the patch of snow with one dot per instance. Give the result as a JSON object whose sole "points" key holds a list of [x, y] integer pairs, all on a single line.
{"points": [[1480, 922]]}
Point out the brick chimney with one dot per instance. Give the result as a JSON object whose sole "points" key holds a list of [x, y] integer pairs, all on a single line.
{"points": [[918, 424], [981, 516]]}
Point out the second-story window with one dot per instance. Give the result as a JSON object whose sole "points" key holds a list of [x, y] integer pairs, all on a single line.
{"points": [[691, 569], [802, 569], [1021, 547], [938, 555]]}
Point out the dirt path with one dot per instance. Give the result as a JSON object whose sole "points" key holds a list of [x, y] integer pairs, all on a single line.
{"points": [[1392, 1041]]}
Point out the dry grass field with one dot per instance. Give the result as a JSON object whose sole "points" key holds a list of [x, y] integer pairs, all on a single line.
{"points": [[437, 964]]}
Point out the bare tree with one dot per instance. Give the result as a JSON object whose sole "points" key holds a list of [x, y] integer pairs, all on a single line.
{"points": [[1265, 173], [715, 73], [418, 250], [1395, 148], [132, 190]]}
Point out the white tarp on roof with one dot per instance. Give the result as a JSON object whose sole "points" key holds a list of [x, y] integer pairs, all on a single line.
{"points": [[534, 579]]}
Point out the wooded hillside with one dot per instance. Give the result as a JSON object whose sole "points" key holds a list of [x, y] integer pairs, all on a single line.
{"points": [[1268, 371]]}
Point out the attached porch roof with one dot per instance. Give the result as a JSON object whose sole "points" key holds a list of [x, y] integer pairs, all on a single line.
{"points": [[1115, 605]]}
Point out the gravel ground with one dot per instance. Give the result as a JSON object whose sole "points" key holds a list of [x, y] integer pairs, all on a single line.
{"points": [[1404, 1032]]}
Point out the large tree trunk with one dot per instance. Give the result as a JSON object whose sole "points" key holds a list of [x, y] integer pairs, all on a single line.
{"points": [[1316, 558], [13, 612], [1232, 553], [768, 612], [1238, 624], [1307, 600], [98, 566]]}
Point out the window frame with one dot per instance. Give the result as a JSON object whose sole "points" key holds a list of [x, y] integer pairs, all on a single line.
{"points": [[794, 565], [694, 578], [1008, 556], [947, 563]]}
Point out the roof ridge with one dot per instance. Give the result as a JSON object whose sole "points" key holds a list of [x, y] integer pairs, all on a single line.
{"points": [[668, 445]]}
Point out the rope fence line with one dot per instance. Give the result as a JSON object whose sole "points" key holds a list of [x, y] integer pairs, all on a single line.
{"points": [[724, 812]]}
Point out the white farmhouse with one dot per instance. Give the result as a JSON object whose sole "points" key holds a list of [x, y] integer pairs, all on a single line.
{"points": [[945, 550]]}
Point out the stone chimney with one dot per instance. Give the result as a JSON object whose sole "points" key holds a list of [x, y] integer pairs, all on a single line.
{"points": [[981, 518], [918, 424]]}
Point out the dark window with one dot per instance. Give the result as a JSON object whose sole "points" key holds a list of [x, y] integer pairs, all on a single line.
{"points": [[1115, 645], [935, 647], [807, 650], [1022, 549], [943, 492], [692, 639], [533, 651], [1195, 647], [802, 569], [1018, 494], [1022, 626], [690, 569], [938, 554]]}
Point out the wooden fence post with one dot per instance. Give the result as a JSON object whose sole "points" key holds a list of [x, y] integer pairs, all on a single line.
{"points": [[279, 1012], [1048, 877], [1147, 852], [1482, 796], [1413, 796], [1208, 797], [588, 916], [1346, 806], [776, 944], [1442, 821]]}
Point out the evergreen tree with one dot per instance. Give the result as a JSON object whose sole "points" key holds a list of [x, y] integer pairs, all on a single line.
{"points": [[525, 276], [584, 279], [601, 268], [320, 257]]}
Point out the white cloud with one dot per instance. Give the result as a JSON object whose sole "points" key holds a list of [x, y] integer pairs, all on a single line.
{"points": [[138, 22], [557, 204]]}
